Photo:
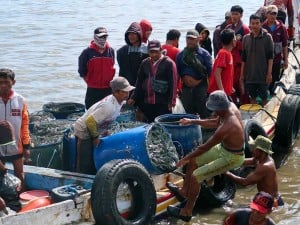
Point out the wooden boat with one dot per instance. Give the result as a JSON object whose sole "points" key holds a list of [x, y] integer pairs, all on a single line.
{"points": [[124, 192]]}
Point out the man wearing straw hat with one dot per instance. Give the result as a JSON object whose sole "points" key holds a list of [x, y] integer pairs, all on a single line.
{"points": [[264, 174]]}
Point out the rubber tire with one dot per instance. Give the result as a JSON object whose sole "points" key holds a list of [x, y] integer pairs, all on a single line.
{"points": [[252, 129], [217, 195], [294, 89], [104, 193], [287, 123]]}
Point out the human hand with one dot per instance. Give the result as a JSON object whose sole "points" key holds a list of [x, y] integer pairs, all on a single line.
{"points": [[182, 162], [291, 32], [96, 142], [185, 121], [130, 101], [2, 204], [269, 78]]}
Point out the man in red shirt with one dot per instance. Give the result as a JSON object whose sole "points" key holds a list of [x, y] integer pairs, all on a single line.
{"points": [[222, 73]]}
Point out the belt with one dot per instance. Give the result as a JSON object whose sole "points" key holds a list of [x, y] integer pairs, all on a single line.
{"points": [[237, 152]]}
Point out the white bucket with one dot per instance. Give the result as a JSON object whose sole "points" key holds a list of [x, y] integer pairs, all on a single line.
{"points": [[249, 110]]}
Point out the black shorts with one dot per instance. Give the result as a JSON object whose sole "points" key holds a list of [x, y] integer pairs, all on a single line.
{"points": [[257, 90], [10, 158]]}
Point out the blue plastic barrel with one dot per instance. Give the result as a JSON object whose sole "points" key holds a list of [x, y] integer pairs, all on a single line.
{"points": [[133, 144], [185, 137], [69, 151]]}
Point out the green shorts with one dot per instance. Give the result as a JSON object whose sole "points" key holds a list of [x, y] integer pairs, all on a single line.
{"points": [[215, 162]]}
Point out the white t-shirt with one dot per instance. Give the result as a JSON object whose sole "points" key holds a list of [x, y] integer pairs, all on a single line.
{"points": [[104, 112]]}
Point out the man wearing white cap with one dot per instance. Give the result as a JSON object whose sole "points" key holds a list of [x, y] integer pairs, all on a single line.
{"points": [[96, 67], [94, 123]]}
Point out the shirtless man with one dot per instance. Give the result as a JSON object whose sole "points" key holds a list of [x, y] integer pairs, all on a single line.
{"points": [[222, 152], [264, 174]]}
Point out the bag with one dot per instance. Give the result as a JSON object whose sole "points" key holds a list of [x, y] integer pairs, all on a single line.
{"points": [[9, 186], [160, 86]]}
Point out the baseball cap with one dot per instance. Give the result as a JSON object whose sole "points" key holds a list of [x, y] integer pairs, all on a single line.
{"points": [[262, 143], [217, 101], [120, 83], [262, 202], [154, 45], [100, 32], [6, 133], [192, 34], [272, 9]]}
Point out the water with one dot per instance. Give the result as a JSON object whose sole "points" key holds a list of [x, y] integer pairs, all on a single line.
{"points": [[41, 41]]}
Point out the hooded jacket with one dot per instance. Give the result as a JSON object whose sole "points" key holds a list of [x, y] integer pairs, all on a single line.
{"points": [[146, 26], [129, 57]]}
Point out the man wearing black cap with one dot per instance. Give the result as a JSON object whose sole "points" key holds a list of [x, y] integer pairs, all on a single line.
{"points": [[156, 85], [96, 67], [94, 122], [222, 152]]}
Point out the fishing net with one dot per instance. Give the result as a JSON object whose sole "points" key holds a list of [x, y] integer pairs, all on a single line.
{"points": [[63, 109]]}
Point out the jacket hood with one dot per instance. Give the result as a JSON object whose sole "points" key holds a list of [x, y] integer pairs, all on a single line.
{"points": [[135, 27], [94, 46], [146, 26]]}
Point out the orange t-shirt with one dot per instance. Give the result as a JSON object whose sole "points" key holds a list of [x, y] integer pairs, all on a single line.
{"points": [[223, 60]]}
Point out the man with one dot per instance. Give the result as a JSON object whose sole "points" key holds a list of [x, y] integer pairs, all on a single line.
{"points": [[94, 122], [222, 73], [156, 85], [194, 65], [240, 30], [171, 49], [257, 214], [222, 152], [96, 67], [217, 44], [257, 61], [283, 7], [280, 39], [131, 55], [13, 109], [264, 174]]}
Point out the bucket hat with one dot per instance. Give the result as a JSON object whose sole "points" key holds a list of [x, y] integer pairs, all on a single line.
{"points": [[217, 101], [120, 83], [262, 143], [262, 202]]}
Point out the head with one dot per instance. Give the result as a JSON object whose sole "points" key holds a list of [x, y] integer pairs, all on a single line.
{"points": [[228, 17], [154, 50], [236, 13], [255, 23], [228, 37], [120, 88], [146, 29], [6, 133], [271, 13], [192, 39], [7, 80], [133, 35], [218, 101], [262, 203], [173, 36], [261, 145], [100, 36]]}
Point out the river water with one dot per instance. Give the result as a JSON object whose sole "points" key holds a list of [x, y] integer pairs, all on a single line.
{"points": [[41, 41]]}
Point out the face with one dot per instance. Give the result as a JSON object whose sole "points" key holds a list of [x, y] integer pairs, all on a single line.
{"points": [[235, 17], [121, 95], [256, 153], [155, 55], [255, 25], [192, 42], [6, 86], [271, 16], [133, 38], [257, 216]]}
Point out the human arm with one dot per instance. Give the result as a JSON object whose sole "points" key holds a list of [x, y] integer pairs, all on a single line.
{"points": [[82, 64], [2, 204], [92, 127], [219, 78], [242, 78], [25, 134], [290, 13], [205, 123]]}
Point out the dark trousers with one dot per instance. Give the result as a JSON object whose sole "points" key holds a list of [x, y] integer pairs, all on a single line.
{"points": [[94, 95], [194, 99], [151, 111], [85, 158], [275, 76]]}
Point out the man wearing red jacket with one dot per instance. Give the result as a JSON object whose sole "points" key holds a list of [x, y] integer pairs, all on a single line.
{"points": [[96, 67]]}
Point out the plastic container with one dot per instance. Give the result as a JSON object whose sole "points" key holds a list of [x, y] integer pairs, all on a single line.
{"points": [[138, 144], [69, 151], [66, 192], [249, 110], [28, 196], [186, 137], [61, 110]]}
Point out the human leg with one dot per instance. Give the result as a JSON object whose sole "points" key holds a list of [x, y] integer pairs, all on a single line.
{"points": [[199, 99], [186, 99], [19, 172], [85, 159]]}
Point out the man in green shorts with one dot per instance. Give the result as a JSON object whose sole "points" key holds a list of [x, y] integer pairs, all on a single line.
{"points": [[221, 152]]}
